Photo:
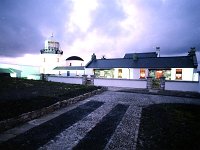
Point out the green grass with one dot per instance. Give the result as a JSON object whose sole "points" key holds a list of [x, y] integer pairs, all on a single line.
{"points": [[170, 127], [19, 96]]}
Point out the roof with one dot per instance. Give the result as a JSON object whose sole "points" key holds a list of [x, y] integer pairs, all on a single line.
{"points": [[151, 62], [69, 68], [5, 70], [140, 55], [75, 58], [9, 70]]}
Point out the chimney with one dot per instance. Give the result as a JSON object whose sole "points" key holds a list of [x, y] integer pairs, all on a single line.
{"points": [[158, 51], [93, 57], [135, 57]]}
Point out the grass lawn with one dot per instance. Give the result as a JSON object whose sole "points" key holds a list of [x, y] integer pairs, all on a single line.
{"points": [[169, 127], [19, 96]]}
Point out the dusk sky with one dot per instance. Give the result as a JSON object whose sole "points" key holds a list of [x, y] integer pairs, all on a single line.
{"points": [[105, 27]]}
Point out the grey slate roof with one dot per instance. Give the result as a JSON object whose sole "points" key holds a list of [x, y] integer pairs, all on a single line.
{"points": [[151, 63], [140, 55], [69, 68]]}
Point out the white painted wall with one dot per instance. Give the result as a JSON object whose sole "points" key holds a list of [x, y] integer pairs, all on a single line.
{"points": [[120, 83], [192, 86], [74, 63], [187, 74], [71, 80], [73, 73], [136, 73], [49, 62], [89, 71]]}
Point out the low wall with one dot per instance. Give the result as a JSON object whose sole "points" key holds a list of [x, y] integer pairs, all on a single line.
{"points": [[192, 86], [132, 83], [71, 80]]}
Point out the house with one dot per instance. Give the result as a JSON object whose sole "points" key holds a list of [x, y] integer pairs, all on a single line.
{"points": [[142, 65], [10, 72], [74, 67]]}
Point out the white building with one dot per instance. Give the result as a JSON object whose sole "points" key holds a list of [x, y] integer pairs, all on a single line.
{"points": [[51, 56], [74, 67], [142, 65], [21, 71]]}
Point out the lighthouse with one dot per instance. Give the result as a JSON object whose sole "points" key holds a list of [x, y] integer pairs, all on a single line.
{"points": [[50, 56]]}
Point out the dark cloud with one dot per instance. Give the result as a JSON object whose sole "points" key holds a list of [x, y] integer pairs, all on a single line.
{"points": [[172, 25], [107, 17], [21, 23]]}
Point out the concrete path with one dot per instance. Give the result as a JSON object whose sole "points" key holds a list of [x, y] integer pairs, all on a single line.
{"points": [[87, 131]]}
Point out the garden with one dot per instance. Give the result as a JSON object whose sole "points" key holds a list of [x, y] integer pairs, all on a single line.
{"points": [[18, 96]]}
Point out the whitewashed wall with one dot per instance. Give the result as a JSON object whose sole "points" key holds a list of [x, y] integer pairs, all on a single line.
{"points": [[89, 71], [74, 63], [71, 80], [192, 86], [120, 83], [187, 74], [136, 73]]}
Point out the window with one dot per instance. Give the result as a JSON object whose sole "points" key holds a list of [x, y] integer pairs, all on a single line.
{"points": [[57, 59], [70, 64], [179, 74], [142, 73], [119, 73], [102, 73], [68, 73], [159, 73], [44, 60]]}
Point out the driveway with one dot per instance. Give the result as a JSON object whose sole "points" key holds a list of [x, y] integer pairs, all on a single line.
{"points": [[107, 121]]}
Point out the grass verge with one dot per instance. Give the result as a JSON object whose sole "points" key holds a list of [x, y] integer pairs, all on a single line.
{"points": [[19, 96], [169, 127]]}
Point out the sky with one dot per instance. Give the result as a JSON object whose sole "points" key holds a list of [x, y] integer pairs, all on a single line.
{"points": [[104, 27]]}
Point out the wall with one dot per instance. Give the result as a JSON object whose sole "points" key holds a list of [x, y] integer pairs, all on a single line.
{"points": [[71, 80], [49, 62], [193, 86], [74, 63], [72, 73], [136, 73], [89, 71], [120, 83], [187, 74]]}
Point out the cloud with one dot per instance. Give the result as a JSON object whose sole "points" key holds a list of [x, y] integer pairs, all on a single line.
{"points": [[109, 28], [24, 25], [80, 16]]}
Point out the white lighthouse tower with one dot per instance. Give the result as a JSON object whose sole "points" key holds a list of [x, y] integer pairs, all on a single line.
{"points": [[50, 56]]}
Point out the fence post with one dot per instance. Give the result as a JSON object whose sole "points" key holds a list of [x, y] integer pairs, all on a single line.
{"points": [[43, 77], [149, 82], [162, 83], [84, 79], [92, 79]]}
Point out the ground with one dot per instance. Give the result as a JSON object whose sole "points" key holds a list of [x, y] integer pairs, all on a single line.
{"points": [[21, 96], [111, 120]]}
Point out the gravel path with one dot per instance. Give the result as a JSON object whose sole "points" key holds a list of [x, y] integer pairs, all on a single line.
{"points": [[124, 135]]}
